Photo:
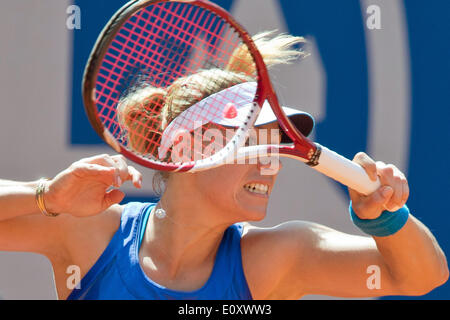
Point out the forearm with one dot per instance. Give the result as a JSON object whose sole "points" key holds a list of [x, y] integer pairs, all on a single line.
{"points": [[416, 262], [17, 199]]}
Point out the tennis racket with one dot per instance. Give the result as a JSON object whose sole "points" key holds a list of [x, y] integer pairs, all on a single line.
{"points": [[164, 73]]}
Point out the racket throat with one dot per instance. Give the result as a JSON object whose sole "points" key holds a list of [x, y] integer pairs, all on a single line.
{"points": [[315, 156]]}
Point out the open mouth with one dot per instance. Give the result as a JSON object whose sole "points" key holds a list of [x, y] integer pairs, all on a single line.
{"points": [[258, 188]]}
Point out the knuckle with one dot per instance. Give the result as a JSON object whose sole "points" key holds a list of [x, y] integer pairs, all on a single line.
{"points": [[100, 157], [406, 190], [380, 166], [398, 201], [73, 169], [119, 160], [392, 167], [80, 165], [390, 208], [107, 158], [81, 169], [75, 164], [407, 187], [388, 170], [360, 155]]}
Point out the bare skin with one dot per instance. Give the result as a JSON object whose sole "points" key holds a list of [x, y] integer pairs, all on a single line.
{"points": [[295, 258]]}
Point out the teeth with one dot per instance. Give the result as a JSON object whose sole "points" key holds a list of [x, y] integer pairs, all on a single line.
{"points": [[257, 188]]}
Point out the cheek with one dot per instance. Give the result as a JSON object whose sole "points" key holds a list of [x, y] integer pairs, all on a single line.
{"points": [[222, 183]]}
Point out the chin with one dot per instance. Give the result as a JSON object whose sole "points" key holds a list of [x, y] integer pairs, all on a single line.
{"points": [[253, 210], [256, 216], [243, 206]]}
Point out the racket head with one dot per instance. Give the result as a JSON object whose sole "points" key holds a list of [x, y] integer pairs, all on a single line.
{"points": [[154, 44]]}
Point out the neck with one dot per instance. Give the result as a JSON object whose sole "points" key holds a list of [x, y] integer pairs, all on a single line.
{"points": [[187, 238]]}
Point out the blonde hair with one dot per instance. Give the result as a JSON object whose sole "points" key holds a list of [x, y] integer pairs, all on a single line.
{"points": [[147, 111]]}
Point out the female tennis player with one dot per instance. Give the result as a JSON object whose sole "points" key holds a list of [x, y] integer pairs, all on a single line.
{"points": [[197, 242]]}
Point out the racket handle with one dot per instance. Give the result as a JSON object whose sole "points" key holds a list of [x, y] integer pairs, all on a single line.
{"points": [[346, 172]]}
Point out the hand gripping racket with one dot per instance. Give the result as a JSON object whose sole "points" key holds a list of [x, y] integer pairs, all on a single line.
{"points": [[164, 73]]}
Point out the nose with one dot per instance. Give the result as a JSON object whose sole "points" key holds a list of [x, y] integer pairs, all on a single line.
{"points": [[269, 165]]}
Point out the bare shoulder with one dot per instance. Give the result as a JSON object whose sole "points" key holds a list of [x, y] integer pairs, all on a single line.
{"points": [[269, 253], [291, 234], [85, 239], [84, 236]]}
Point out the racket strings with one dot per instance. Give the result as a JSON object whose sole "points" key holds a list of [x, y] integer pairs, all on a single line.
{"points": [[166, 58]]}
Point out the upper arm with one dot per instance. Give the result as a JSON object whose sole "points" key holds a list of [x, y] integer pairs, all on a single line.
{"points": [[31, 233], [58, 237], [307, 258]]}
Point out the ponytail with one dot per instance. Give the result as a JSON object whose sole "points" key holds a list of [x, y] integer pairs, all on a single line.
{"points": [[274, 50]]}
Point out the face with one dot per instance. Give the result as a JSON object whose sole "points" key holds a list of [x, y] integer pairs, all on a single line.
{"points": [[241, 190]]}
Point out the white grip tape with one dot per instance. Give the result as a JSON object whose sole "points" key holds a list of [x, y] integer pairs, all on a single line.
{"points": [[346, 172]]}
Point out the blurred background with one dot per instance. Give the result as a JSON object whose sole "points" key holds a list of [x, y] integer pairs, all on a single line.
{"points": [[377, 80]]}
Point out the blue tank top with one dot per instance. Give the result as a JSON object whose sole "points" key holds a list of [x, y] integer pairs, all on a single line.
{"points": [[117, 274]]}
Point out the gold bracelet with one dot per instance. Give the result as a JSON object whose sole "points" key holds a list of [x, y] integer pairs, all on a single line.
{"points": [[40, 198]]}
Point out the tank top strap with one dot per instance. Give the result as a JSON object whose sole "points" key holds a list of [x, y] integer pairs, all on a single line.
{"points": [[124, 234]]}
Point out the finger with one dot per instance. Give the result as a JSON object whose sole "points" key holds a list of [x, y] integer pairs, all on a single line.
{"points": [[385, 172], [382, 198], [380, 165], [121, 163], [107, 161], [405, 191], [117, 161], [136, 176], [368, 165], [405, 187], [384, 195], [107, 175], [128, 172], [395, 201], [112, 197], [394, 178], [373, 205], [103, 159]]}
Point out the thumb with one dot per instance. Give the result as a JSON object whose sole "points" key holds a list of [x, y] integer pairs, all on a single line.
{"points": [[112, 197], [385, 195], [373, 205], [378, 199]]}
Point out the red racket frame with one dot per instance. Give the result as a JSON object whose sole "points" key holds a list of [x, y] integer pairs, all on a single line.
{"points": [[302, 147]]}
